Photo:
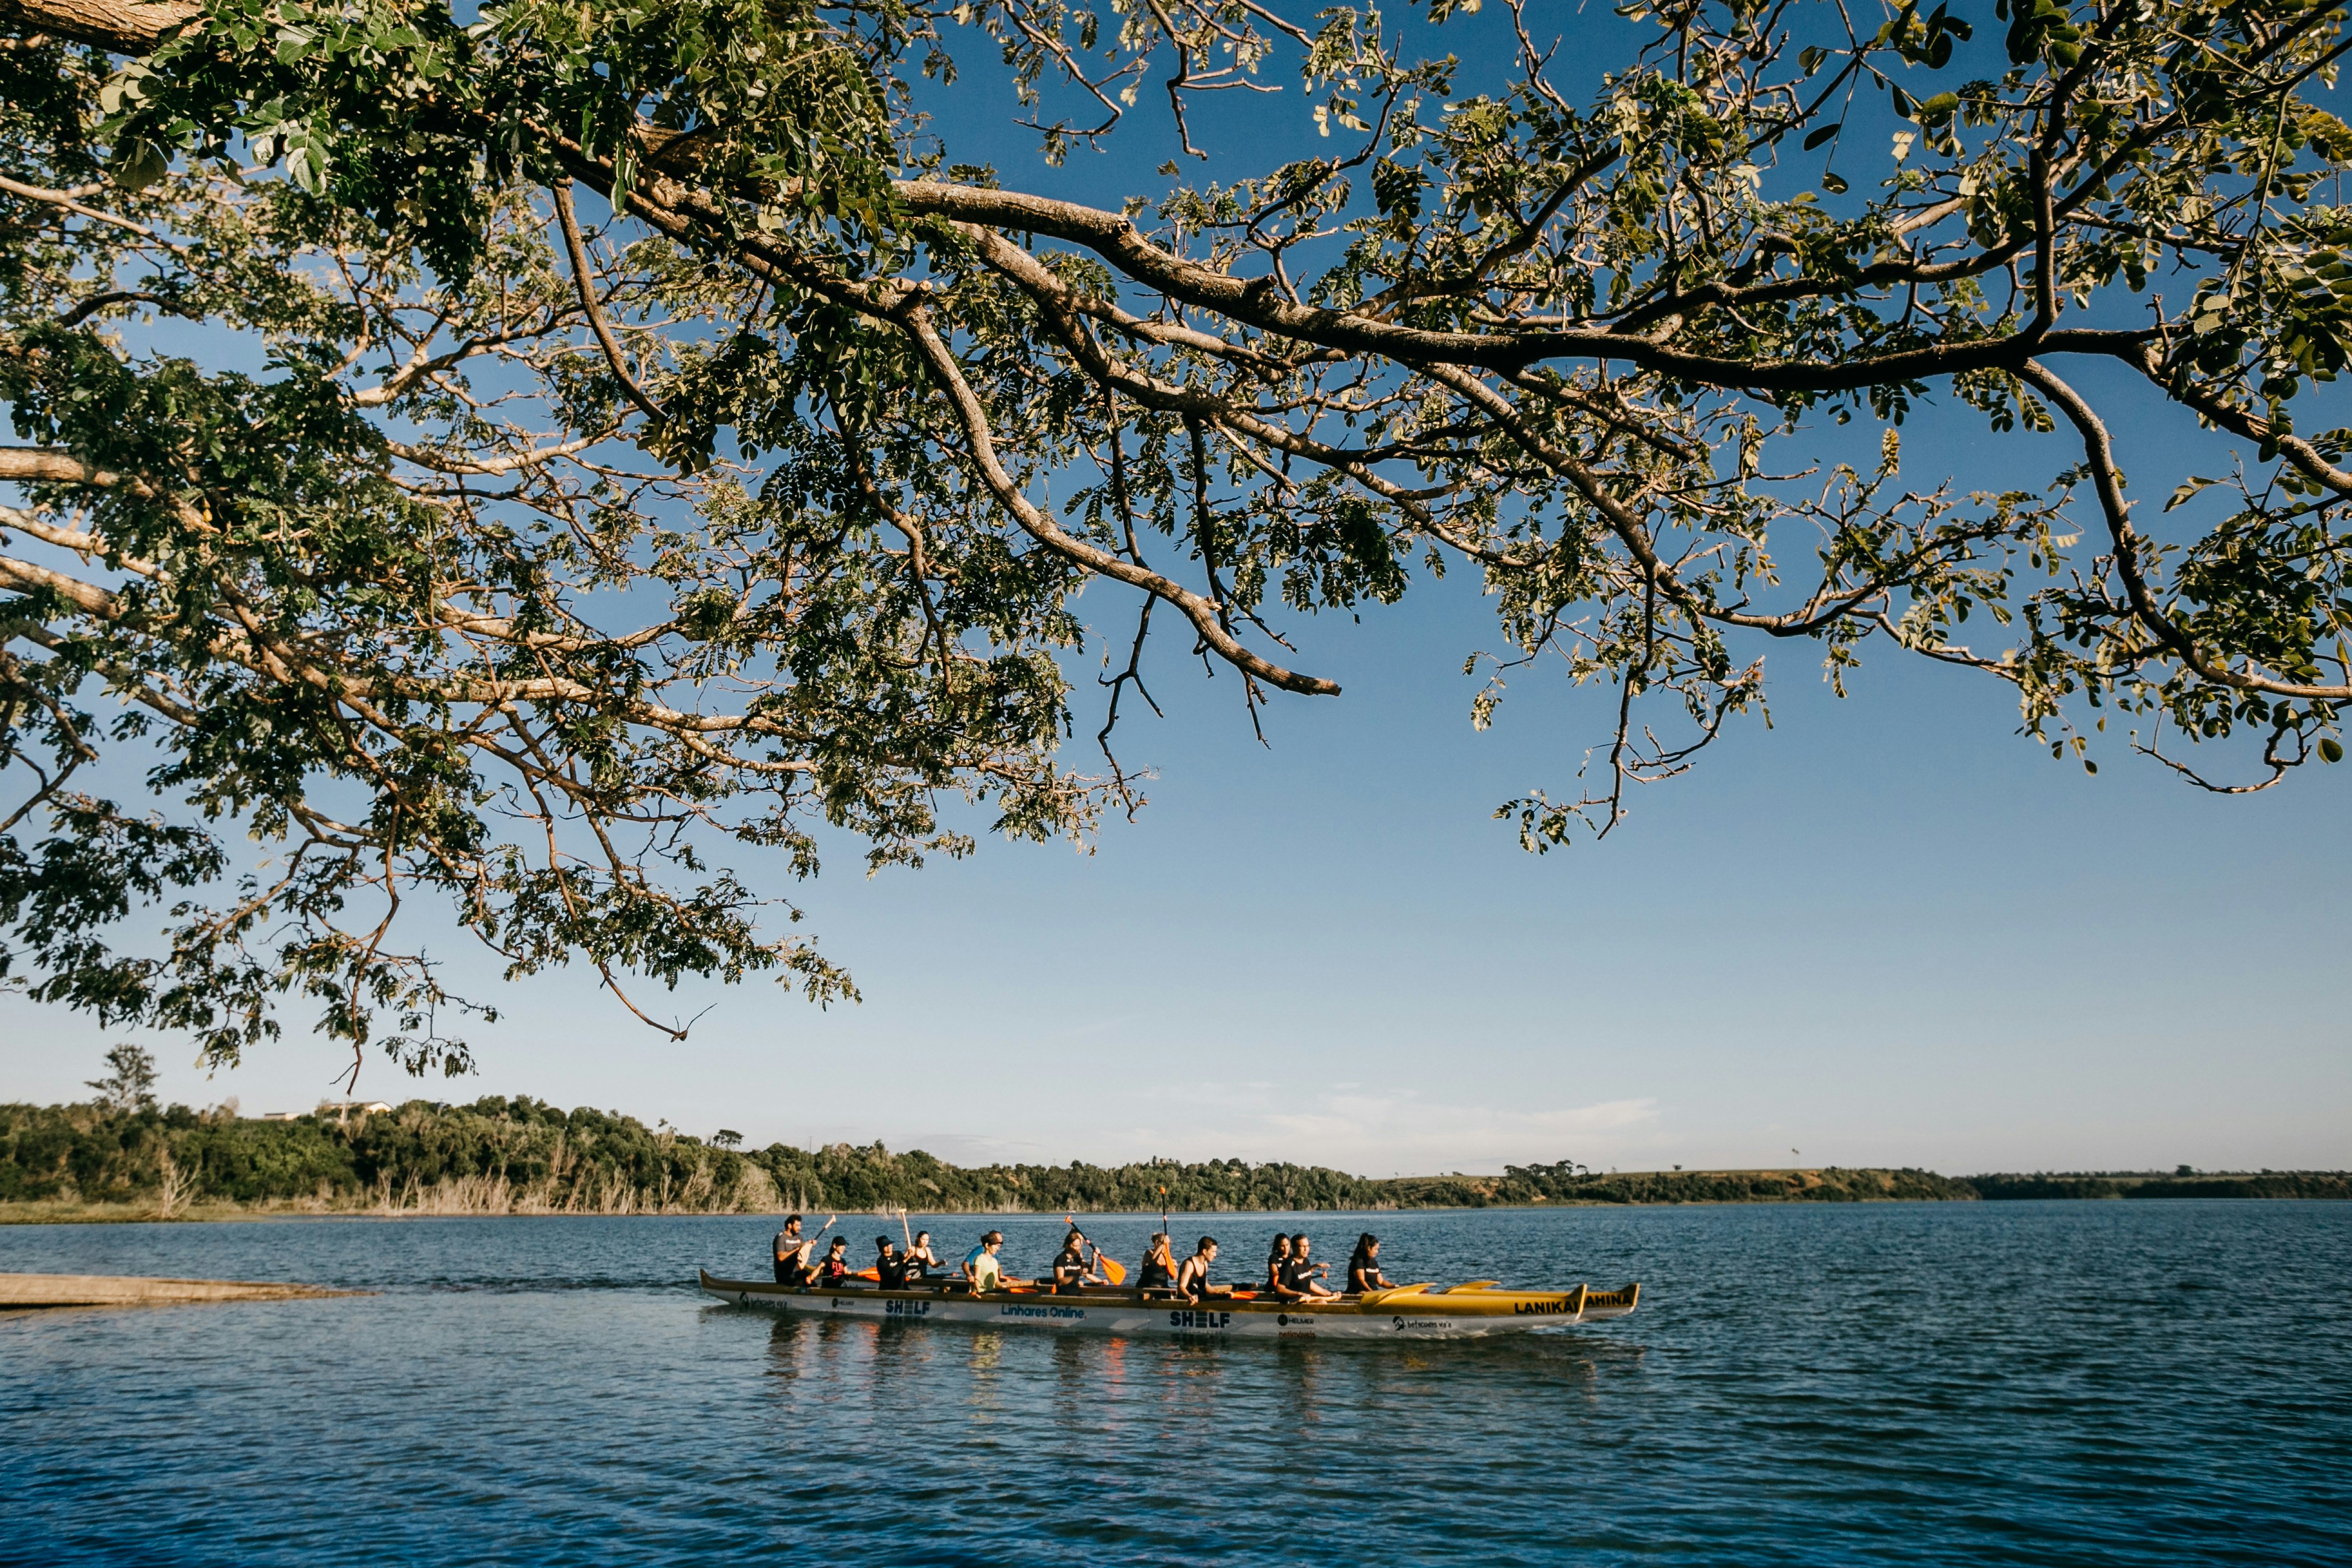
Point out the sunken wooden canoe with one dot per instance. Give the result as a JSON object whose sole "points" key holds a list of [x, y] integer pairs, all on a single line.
{"points": [[1424, 1312]]}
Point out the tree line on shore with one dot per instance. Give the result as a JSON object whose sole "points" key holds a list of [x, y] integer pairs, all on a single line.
{"points": [[524, 1156]]}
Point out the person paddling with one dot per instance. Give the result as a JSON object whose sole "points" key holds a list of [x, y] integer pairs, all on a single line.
{"points": [[1364, 1268], [980, 1266], [1300, 1274], [1158, 1270], [1277, 1272], [1193, 1277], [1071, 1274], [793, 1251], [921, 1258], [835, 1269], [889, 1268]]}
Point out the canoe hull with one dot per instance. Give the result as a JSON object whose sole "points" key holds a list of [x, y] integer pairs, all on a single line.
{"points": [[1410, 1314]]}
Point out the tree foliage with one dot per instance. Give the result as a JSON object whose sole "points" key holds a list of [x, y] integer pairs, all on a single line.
{"points": [[129, 1084], [472, 550], [523, 1155]]}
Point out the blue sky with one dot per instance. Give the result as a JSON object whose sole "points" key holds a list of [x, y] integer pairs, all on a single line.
{"points": [[1884, 931]]}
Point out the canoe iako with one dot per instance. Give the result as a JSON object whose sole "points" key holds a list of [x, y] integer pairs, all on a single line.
{"points": [[1426, 1312]]}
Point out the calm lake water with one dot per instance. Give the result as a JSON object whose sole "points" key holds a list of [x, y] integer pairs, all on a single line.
{"points": [[2117, 1383]]}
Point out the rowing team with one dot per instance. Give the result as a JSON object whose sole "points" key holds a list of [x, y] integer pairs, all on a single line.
{"points": [[1291, 1272]]}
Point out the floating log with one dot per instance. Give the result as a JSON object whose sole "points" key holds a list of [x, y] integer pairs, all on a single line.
{"points": [[132, 1291]]}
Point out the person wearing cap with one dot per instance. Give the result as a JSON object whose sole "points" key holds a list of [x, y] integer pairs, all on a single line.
{"points": [[1071, 1274], [980, 1265], [889, 1268], [835, 1269]]}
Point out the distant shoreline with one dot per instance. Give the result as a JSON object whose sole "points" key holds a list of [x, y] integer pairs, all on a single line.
{"points": [[2143, 1186], [102, 1162]]}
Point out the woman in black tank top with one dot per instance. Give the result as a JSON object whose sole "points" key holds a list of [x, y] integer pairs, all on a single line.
{"points": [[1192, 1279]]}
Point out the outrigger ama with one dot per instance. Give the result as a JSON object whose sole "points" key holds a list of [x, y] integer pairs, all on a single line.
{"points": [[1192, 1306]]}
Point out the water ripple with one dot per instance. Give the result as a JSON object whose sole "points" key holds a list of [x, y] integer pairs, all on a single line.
{"points": [[2117, 1383]]}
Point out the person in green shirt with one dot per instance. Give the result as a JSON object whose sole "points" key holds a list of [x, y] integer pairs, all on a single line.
{"points": [[980, 1266]]}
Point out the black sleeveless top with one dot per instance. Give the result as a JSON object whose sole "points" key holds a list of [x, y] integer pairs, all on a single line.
{"points": [[1154, 1276]]}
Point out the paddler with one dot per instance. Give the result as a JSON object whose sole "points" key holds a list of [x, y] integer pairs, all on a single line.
{"points": [[921, 1258], [835, 1269], [1158, 1270], [1278, 1283], [1300, 1273], [1071, 1274], [1364, 1268], [980, 1266], [1193, 1277], [793, 1251]]}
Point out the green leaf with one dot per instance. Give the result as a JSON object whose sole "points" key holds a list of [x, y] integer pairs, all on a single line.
{"points": [[2331, 749], [2195, 483], [1822, 135]]}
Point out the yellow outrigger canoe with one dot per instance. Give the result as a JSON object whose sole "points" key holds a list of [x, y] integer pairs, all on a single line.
{"points": [[1427, 1311]]}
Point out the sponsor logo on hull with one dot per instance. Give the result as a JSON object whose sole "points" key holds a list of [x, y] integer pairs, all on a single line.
{"points": [[1023, 1311], [1523, 1308], [1199, 1321], [905, 1309]]}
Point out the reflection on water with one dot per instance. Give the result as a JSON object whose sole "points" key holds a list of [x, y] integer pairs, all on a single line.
{"points": [[2017, 1383]]}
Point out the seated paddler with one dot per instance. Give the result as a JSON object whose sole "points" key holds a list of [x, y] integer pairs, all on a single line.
{"points": [[1301, 1273], [835, 1269], [1158, 1270], [889, 1268], [1192, 1277], [981, 1268], [921, 1258], [793, 1252], [1071, 1272], [1279, 1284], [1364, 1268]]}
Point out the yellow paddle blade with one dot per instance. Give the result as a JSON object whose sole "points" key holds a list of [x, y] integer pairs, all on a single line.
{"points": [[1374, 1297], [1113, 1269]]}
